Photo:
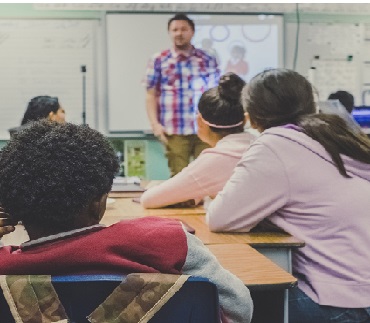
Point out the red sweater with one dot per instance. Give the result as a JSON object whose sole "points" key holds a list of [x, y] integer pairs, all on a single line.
{"points": [[141, 245]]}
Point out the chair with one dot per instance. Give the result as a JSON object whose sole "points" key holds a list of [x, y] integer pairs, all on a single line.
{"points": [[196, 301]]}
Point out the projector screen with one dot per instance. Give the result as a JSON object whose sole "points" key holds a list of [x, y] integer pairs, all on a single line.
{"points": [[244, 44]]}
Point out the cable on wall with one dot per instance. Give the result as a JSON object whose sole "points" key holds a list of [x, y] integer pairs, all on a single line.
{"points": [[296, 37]]}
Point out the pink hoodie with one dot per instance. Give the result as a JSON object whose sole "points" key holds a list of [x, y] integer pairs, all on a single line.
{"points": [[289, 178], [205, 176]]}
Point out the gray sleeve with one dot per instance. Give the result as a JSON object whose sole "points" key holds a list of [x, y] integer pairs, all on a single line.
{"points": [[235, 299]]}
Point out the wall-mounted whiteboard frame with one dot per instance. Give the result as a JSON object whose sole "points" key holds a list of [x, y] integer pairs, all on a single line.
{"points": [[44, 57], [132, 38], [321, 46]]}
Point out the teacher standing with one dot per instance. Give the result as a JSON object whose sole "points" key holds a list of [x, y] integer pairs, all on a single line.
{"points": [[175, 80]]}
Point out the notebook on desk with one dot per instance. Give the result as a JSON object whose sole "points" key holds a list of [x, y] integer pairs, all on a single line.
{"points": [[126, 187]]}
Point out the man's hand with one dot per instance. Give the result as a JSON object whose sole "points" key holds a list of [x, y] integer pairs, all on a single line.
{"points": [[6, 225], [152, 110], [159, 132]]}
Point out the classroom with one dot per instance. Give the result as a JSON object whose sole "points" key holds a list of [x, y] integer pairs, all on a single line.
{"points": [[271, 223], [82, 35]]}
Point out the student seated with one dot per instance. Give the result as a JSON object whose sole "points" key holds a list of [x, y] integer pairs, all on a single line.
{"points": [[221, 121], [55, 178], [41, 107], [345, 98], [342, 104], [310, 175]]}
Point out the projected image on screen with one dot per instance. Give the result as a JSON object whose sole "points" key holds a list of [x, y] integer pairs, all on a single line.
{"points": [[245, 49], [244, 44]]}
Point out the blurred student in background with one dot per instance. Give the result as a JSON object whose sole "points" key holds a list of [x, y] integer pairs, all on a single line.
{"points": [[345, 98], [41, 107]]}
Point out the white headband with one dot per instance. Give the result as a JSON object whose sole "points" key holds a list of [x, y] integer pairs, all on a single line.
{"points": [[219, 126]]}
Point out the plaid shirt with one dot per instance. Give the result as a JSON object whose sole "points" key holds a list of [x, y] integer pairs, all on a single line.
{"points": [[179, 81]]}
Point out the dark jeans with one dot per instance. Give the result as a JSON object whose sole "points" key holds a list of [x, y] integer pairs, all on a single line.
{"points": [[303, 309]]}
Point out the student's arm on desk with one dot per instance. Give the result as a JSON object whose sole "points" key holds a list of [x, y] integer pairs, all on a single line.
{"points": [[258, 187], [194, 182], [235, 299], [180, 188]]}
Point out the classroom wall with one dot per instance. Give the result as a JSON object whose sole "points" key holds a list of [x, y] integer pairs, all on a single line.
{"points": [[28, 10], [311, 16]]}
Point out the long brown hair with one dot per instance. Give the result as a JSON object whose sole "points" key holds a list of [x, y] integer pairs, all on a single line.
{"points": [[332, 132], [280, 96]]}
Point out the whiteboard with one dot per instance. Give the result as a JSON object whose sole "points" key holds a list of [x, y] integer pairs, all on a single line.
{"points": [[133, 38], [44, 57], [321, 46]]}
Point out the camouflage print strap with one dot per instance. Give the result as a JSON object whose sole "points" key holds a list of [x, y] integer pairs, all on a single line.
{"points": [[138, 298], [32, 299]]}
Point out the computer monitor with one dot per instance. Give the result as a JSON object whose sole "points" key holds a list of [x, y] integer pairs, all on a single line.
{"points": [[362, 116]]}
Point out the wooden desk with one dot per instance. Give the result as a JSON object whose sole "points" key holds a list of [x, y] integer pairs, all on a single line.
{"points": [[267, 282], [253, 269], [145, 184], [116, 195], [126, 207], [277, 246]]}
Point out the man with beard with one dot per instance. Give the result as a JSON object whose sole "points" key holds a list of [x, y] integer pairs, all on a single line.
{"points": [[175, 80]]}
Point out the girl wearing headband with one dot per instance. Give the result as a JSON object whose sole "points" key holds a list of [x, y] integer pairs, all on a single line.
{"points": [[221, 121]]}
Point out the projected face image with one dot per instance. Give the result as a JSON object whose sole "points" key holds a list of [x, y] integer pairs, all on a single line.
{"points": [[181, 34], [244, 49], [236, 63]]}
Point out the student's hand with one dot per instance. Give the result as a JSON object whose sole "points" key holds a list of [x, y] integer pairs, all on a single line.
{"points": [[6, 225], [160, 133]]}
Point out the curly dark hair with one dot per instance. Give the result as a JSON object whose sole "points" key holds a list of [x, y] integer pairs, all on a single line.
{"points": [[39, 108], [50, 172]]}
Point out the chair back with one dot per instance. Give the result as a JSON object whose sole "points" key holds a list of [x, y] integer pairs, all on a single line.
{"points": [[196, 301]]}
